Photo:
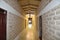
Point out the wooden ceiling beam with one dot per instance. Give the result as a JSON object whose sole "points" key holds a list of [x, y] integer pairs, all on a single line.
{"points": [[29, 9], [30, 4]]}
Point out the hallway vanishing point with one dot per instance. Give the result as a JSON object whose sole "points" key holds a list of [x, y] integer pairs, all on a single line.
{"points": [[29, 19]]}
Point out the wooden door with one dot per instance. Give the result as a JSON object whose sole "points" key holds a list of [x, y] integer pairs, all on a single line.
{"points": [[3, 15]]}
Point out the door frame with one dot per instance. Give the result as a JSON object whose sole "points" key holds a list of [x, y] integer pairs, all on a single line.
{"points": [[40, 26]]}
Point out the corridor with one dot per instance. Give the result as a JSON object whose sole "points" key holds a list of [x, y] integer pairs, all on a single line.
{"points": [[29, 19], [30, 32], [28, 35]]}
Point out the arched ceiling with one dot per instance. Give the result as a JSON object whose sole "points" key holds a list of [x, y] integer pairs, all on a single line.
{"points": [[29, 5]]}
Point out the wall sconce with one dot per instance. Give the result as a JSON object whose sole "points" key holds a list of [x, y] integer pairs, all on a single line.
{"points": [[29, 22]]}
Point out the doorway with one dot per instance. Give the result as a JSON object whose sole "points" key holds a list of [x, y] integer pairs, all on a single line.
{"points": [[40, 27], [3, 17]]}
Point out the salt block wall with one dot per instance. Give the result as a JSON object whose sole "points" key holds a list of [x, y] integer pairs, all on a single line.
{"points": [[15, 23], [15, 26], [51, 24]]}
